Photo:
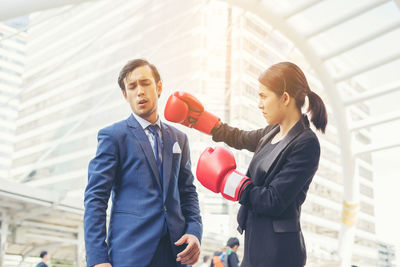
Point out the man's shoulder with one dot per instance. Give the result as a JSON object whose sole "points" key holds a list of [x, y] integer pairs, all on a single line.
{"points": [[174, 130], [41, 264], [115, 128]]}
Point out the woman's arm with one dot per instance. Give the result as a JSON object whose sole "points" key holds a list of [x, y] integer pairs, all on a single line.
{"points": [[237, 138], [296, 173]]}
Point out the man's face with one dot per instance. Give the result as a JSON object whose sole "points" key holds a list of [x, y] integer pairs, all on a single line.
{"points": [[142, 92]]}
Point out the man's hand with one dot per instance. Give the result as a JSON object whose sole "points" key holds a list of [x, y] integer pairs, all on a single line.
{"points": [[192, 252], [102, 265]]}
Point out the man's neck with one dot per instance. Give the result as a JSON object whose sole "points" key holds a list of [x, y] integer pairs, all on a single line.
{"points": [[152, 119], [144, 121]]}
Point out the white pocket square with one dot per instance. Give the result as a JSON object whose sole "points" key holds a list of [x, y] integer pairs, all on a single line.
{"points": [[176, 148]]}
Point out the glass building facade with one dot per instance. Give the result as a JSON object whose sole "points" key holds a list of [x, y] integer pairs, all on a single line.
{"points": [[12, 58]]}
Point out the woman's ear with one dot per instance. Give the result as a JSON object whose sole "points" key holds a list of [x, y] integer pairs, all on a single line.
{"points": [[286, 98]]}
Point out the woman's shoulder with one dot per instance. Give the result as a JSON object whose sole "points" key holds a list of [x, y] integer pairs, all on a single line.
{"points": [[307, 138]]}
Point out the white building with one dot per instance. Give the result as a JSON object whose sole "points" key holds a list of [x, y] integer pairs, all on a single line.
{"points": [[12, 56], [387, 254]]}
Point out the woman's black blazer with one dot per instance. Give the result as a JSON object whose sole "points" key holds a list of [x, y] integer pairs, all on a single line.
{"points": [[270, 207]]}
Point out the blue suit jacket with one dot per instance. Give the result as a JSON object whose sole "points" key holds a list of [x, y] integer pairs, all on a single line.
{"points": [[125, 166]]}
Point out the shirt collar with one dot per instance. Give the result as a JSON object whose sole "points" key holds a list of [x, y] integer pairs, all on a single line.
{"points": [[144, 123]]}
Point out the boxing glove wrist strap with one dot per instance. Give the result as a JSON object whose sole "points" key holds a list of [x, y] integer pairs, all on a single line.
{"points": [[234, 185]]}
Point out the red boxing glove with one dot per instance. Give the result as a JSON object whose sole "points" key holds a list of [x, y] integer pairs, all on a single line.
{"points": [[216, 170], [185, 109]]}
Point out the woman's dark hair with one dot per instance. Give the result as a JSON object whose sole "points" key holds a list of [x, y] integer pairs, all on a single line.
{"points": [[133, 64], [288, 77]]}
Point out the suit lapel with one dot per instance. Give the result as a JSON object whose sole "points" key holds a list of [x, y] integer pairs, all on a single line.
{"points": [[292, 134], [265, 139], [168, 142], [140, 135]]}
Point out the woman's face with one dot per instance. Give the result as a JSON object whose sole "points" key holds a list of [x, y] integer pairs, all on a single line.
{"points": [[271, 105]]}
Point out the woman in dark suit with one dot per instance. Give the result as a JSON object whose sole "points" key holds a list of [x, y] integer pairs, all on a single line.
{"points": [[286, 156]]}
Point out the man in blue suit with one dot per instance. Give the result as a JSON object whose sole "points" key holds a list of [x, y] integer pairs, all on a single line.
{"points": [[145, 165]]}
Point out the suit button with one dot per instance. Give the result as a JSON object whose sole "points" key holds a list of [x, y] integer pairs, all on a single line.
{"points": [[165, 208]]}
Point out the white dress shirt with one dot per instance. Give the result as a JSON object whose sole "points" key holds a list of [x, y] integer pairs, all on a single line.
{"points": [[144, 123]]}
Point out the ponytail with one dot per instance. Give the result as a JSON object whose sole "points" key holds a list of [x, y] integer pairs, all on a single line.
{"points": [[288, 77], [317, 109]]}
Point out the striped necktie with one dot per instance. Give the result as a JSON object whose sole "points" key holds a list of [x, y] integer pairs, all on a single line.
{"points": [[156, 147]]}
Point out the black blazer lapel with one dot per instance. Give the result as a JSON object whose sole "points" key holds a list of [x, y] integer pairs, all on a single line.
{"points": [[140, 135], [265, 139], [168, 142], [291, 135]]}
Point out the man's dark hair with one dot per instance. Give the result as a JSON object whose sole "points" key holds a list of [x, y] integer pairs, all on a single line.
{"points": [[133, 64], [233, 241], [43, 253]]}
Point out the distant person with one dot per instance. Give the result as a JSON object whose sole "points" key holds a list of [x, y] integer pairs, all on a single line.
{"points": [[206, 261], [44, 255], [227, 257]]}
